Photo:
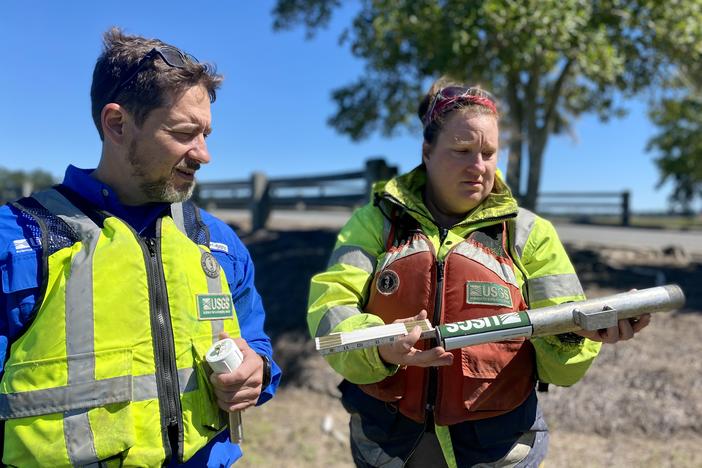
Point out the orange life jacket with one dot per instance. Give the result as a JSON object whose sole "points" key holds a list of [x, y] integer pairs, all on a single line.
{"points": [[475, 279]]}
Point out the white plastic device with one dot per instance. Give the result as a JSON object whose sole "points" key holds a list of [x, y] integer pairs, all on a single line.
{"points": [[224, 357]]}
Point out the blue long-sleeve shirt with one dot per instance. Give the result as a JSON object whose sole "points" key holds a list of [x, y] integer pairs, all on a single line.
{"points": [[20, 264]]}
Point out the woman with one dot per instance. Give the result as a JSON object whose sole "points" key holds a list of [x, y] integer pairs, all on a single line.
{"points": [[448, 242]]}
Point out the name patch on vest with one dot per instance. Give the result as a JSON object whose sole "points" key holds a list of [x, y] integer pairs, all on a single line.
{"points": [[214, 306], [479, 292]]}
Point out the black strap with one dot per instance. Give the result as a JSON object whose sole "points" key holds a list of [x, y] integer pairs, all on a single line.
{"points": [[492, 237], [404, 226], [97, 216], [195, 228]]}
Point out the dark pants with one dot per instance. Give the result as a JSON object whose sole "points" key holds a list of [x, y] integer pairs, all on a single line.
{"points": [[381, 436]]}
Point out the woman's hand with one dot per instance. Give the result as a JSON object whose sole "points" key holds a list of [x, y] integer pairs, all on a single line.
{"points": [[625, 330], [402, 351]]}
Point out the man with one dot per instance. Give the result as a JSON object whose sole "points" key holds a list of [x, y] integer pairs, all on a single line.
{"points": [[114, 286]]}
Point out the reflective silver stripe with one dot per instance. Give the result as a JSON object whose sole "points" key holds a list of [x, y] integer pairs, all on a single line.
{"points": [[178, 218], [417, 245], [144, 388], [79, 324], [79, 438], [334, 317], [217, 327], [79, 293], [79, 313], [554, 286], [473, 252], [524, 225], [70, 397], [59, 205], [145, 385], [214, 286], [354, 256]]}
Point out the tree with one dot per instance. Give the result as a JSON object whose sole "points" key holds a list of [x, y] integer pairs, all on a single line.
{"points": [[548, 60], [14, 184], [679, 142]]}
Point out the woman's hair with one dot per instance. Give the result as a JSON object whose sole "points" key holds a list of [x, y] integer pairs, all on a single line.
{"points": [[474, 101]]}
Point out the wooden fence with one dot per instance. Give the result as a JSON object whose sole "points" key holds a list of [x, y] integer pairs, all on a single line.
{"points": [[586, 204], [260, 195]]}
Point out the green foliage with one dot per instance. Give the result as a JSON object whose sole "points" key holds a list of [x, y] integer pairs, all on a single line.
{"points": [[12, 183], [548, 60], [679, 145]]}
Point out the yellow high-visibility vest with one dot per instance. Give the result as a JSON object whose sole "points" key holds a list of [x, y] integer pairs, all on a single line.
{"points": [[116, 351]]}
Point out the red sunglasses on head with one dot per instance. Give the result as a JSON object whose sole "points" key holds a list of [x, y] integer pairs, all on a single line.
{"points": [[447, 98]]}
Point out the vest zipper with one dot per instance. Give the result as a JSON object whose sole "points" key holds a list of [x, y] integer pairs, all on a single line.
{"points": [[164, 350], [436, 320]]}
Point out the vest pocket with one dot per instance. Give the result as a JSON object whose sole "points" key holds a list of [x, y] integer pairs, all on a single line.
{"points": [[87, 420], [209, 416], [497, 377]]}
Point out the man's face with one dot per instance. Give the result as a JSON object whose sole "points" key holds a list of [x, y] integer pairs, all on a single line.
{"points": [[461, 166], [170, 146]]}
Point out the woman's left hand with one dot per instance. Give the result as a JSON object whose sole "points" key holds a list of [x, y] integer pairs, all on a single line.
{"points": [[625, 330]]}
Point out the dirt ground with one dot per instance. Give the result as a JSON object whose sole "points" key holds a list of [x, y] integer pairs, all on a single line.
{"points": [[639, 405]]}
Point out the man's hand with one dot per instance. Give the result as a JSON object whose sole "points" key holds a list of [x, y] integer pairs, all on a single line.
{"points": [[240, 389], [403, 352], [625, 330]]}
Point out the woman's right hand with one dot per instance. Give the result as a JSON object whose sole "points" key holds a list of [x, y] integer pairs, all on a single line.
{"points": [[402, 351]]}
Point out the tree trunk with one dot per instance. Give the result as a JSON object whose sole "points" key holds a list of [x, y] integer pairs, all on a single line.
{"points": [[516, 135], [537, 145], [514, 165], [538, 134], [531, 112]]}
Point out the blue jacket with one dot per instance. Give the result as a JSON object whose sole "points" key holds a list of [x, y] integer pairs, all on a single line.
{"points": [[20, 260]]}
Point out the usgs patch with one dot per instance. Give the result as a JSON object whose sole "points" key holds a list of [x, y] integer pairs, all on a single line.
{"points": [[214, 306], [479, 292]]}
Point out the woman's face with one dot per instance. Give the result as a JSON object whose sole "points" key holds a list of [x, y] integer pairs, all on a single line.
{"points": [[461, 166]]}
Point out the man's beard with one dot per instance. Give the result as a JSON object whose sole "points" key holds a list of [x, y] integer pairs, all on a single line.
{"points": [[163, 189]]}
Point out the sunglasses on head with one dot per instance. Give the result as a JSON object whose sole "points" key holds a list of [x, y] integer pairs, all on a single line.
{"points": [[171, 56], [448, 98]]}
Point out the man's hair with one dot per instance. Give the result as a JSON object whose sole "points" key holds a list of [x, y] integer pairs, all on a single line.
{"points": [[152, 87]]}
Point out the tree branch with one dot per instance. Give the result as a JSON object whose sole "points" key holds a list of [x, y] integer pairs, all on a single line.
{"points": [[556, 93]]}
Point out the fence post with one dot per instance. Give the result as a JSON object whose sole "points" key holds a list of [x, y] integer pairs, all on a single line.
{"points": [[260, 201], [377, 169], [626, 197], [27, 187]]}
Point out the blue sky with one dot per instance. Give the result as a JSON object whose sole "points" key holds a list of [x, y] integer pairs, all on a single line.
{"points": [[271, 113]]}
